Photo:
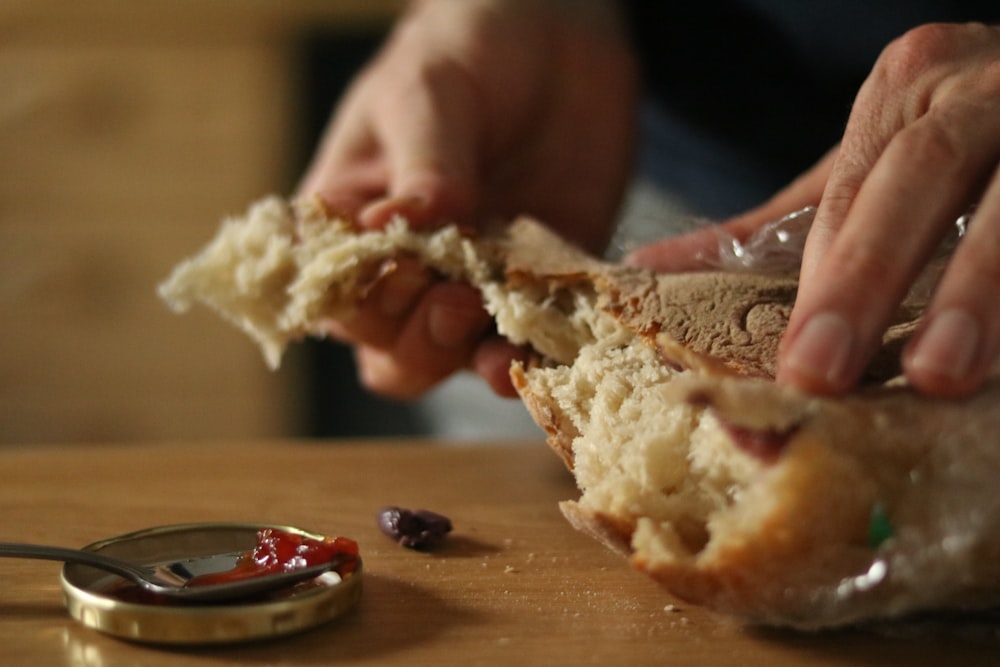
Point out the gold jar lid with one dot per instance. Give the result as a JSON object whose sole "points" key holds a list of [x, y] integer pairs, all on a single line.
{"points": [[90, 599]]}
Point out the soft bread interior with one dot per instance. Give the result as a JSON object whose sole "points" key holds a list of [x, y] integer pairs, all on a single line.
{"points": [[637, 454], [655, 392], [282, 270]]}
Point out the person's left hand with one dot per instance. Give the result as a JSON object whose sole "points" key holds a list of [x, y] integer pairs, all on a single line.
{"points": [[921, 147]]}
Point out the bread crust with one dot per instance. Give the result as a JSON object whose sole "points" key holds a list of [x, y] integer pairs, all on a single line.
{"points": [[657, 391]]}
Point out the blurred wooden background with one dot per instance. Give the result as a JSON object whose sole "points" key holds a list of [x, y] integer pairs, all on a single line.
{"points": [[127, 131]]}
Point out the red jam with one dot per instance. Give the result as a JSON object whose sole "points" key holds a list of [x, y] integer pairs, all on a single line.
{"points": [[764, 444], [280, 551], [275, 551]]}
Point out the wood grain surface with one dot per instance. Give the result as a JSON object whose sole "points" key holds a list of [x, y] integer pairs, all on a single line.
{"points": [[512, 585], [129, 130]]}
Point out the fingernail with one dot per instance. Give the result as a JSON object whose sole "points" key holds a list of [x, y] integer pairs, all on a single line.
{"points": [[448, 327], [948, 345], [378, 214], [399, 292], [822, 349]]}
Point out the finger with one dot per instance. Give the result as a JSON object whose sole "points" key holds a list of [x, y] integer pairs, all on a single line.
{"points": [[492, 359], [916, 188], [438, 339], [959, 338], [688, 252], [806, 190], [909, 81], [380, 316], [430, 132], [346, 171], [700, 249]]}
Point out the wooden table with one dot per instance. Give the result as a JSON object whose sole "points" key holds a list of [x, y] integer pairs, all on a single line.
{"points": [[514, 585]]}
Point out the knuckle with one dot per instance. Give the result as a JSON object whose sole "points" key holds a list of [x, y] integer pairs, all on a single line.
{"points": [[865, 267], [400, 81], [933, 144], [379, 373], [842, 192], [980, 264], [435, 76], [838, 196], [941, 64], [981, 88], [456, 294], [990, 77], [920, 48], [365, 326], [446, 194], [440, 72]]}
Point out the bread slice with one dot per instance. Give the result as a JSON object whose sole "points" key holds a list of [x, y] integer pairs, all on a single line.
{"points": [[656, 390]]}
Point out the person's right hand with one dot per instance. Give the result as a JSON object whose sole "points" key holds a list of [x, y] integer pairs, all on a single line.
{"points": [[475, 110]]}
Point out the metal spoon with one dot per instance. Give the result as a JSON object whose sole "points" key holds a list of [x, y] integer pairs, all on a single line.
{"points": [[170, 579]]}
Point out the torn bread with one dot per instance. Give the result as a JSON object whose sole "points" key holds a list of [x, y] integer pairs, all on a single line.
{"points": [[731, 491]]}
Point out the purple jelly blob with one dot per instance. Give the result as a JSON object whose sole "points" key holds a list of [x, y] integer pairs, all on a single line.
{"points": [[413, 529]]}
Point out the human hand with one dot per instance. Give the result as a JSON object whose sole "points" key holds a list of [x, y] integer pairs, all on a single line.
{"points": [[701, 249], [474, 110], [920, 147]]}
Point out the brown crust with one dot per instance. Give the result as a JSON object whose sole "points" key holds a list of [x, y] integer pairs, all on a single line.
{"points": [[715, 322], [804, 536], [613, 532], [789, 555], [777, 556], [560, 431], [532, 252], [712, 320]]}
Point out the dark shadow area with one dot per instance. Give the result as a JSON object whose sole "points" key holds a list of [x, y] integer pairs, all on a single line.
{"points": [[462, 546], [27, 610], [970, 638]]}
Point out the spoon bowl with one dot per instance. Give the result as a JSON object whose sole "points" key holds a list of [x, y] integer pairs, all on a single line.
{"points": [[171, 579]]}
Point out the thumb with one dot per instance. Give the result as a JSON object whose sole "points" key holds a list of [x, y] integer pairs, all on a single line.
{"points": [[700, 249], [688, 252]]}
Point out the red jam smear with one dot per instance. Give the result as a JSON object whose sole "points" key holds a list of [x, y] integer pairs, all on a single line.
{"points": [[275, 551], [281, 551], [764, 444]]}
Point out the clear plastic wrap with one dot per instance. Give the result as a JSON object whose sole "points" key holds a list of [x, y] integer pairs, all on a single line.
{"points": [[777, 247]]}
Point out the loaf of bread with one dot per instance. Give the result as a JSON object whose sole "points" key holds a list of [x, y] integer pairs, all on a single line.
{"points": [[731, 491]]}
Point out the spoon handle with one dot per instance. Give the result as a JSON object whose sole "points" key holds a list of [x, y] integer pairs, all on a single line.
{"points": [[17, 550]]}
